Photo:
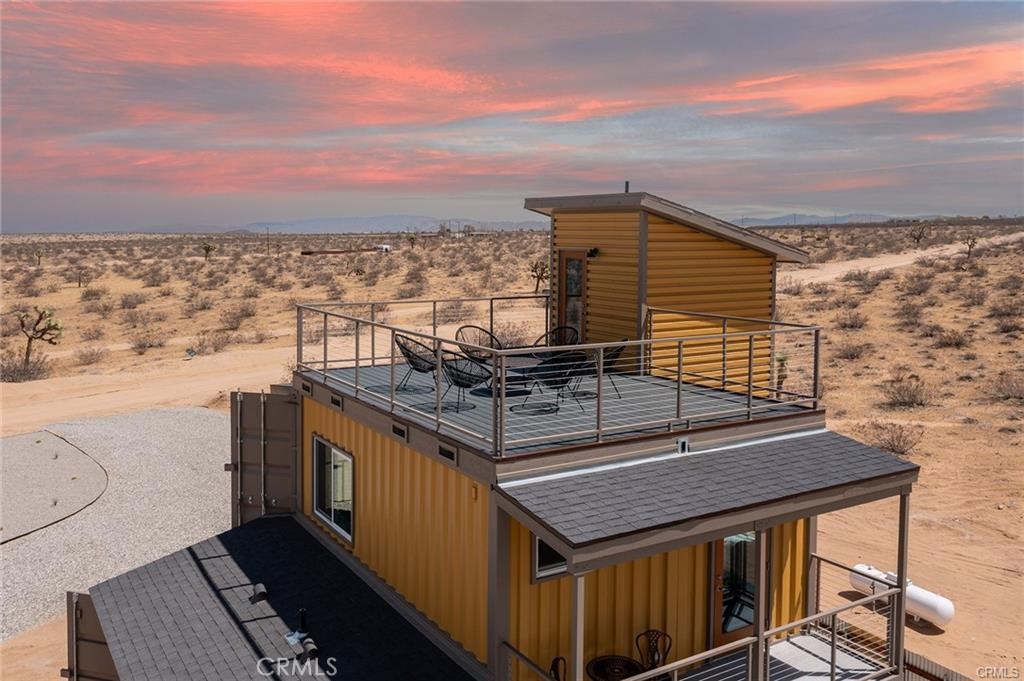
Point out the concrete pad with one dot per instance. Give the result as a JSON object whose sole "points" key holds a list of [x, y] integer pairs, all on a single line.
{"points": [[44, 480]]}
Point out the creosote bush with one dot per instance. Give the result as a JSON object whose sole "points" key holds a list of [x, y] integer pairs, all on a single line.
{"points": [[851, 320], [905, 390], [1007, 386], [898, 438], [89, 355]]}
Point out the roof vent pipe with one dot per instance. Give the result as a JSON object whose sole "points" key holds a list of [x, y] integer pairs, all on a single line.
{"points": [[259, 593], [627, 186]]}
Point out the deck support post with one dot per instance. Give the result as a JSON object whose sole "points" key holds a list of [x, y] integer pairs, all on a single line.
{"points": [[899, 612], [757, 669], [577, 627]]}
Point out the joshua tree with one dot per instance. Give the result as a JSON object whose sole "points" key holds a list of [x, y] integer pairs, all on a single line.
{"points": [[39, 257], [208, 248], [44, 328], [918, 233], [411, 238], [539, 272], [970, 241]]}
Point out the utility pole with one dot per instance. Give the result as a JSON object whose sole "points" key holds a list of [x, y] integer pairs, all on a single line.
{"points": [[268, 241]]}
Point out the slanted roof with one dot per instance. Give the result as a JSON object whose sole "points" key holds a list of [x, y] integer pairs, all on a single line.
{"points": [[187, 615], [673, 211], [604, 502]]}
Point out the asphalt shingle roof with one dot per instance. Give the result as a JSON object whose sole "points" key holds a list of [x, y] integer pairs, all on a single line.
{"points": [[188, 616], [605, 503]]}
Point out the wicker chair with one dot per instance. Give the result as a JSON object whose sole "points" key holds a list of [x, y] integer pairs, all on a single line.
{"points": [[558, 372], [653, 646], [463, 373], [558, 670], [418, 357], [560, 335], [476, 335]]}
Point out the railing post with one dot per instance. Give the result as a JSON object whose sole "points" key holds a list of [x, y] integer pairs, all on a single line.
{"points": [[899, 613], [490, 326], [357, 357], [437, 384], [600, 381], [495, 426], [679, 379], [750, 376], [761, 586], [502, 376], [298, 335], [433, 318], [373, 334], [391, 377], [817, 367], [725, 353], [832, 662], [325, 347]]}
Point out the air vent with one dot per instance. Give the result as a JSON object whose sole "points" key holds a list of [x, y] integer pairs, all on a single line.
{"points": [[336, 401], [447, 452], [399, 431], [307, 388], [683, 446]]}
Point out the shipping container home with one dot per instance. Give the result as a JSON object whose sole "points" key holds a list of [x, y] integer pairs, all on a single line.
{"points": [[632, 495]]}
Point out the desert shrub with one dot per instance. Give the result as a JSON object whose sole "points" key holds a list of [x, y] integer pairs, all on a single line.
{"points": [[256, 337], [855, 276], [1007, 386], [252, 291], [846, 301], [134, 318], [130, 301], [915, 283], [974, 297], [234, 317], [155, 276], [952, 338], [209, 342], [312, 333], [1008, 325], [1007, 307], [513, 334], [9, 326], [14, 368], [1011, 282], [850, 320], [897, 438], [790, 286], [89, 355], [101, 307], [820, 288], [336, 290], [904, 389], [850, 350], [411, 291], [909, 314], [140, 343], [930, 330], [93, 293], [166, 291], [93, 333]]}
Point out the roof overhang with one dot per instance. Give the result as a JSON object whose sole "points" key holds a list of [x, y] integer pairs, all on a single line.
{"points": [[671, 210], [870, 475]]}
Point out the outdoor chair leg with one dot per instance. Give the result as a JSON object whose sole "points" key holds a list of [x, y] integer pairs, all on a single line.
{"points": [[611, 379], [405, 379]]}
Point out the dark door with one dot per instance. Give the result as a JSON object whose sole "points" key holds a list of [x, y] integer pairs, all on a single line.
{"points": [[735, 572], [572, 290]]}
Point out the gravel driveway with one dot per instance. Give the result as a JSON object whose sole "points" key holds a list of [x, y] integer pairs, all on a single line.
{"points": [[167, 490]]}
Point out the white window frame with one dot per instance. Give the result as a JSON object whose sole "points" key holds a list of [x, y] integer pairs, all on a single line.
{"points": [[546, 573], [334, 450]]}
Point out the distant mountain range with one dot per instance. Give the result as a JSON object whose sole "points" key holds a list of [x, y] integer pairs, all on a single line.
{"points": [[371, 223], [805, 219]]}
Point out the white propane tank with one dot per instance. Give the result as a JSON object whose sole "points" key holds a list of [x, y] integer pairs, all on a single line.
{"points": [[921, 603]]}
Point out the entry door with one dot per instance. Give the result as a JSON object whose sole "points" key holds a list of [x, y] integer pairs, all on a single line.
{"points": [[572, 290], [735, 572]]}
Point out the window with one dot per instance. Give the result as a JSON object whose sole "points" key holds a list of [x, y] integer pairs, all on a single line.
{"points": [[546, 561], [333, 482]]}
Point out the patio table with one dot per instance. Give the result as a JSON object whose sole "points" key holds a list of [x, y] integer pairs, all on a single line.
{"points": [[612, 668]]}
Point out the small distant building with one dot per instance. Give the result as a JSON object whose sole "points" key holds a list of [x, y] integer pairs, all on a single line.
{"points": [[382, 248]]}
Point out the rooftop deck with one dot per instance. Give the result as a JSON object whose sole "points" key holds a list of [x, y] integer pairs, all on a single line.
{"points": [[500, 391]]}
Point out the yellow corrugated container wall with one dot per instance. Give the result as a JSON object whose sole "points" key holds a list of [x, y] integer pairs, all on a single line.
{"points": [[420, 525], [667, 591], [612, 276]]}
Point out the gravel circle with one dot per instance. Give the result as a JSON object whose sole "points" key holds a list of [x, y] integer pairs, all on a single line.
{"points": [[167, 490]]}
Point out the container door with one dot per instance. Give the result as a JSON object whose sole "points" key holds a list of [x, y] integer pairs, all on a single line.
{"points": [[735, 572], [572, 290], [264, 454]]}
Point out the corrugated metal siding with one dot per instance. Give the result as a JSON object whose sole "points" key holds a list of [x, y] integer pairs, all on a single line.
{"points": [[668, 591], [789, 562], [612, 276], [419, 524], [691, 270]]}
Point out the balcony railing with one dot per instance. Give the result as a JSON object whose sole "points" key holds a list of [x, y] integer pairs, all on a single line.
{"points": [[851, 641], [527, 397]]}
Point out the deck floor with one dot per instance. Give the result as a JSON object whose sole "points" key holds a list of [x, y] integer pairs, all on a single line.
{"points": [[803, 657], [535, 420]]}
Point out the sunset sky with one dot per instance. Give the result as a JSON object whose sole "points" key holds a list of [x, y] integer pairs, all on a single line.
{"points": [[135, 114]]}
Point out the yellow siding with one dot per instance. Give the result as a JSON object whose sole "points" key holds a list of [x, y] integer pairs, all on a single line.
{"points": [[789, 561], [668, 591], [612, 276], [419, 524], [691, 270]]}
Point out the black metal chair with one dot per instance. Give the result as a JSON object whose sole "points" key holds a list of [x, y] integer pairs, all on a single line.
{"points": [[558, 373], [471, 334], [560, 335], [653, 646], [418, 357], [559, 669], [610, 365], [463, 373]]}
